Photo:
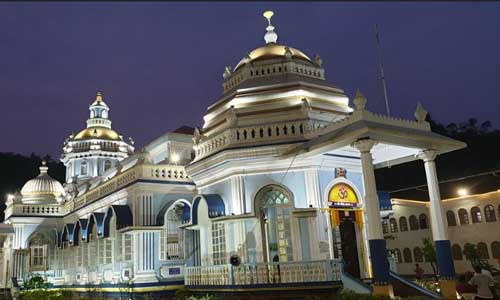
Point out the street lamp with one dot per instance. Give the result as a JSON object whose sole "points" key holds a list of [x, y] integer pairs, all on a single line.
{"points": [[462, 192]]}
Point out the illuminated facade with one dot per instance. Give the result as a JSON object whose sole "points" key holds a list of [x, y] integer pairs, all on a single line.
{"points": [[279, 180]]}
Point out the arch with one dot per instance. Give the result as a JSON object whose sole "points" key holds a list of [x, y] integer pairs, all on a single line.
{"points": [[265, 188], [393, 225], [422, 221], [186, 214], [403, 224], [482, 250], [489, 213], [456, 252], [172, 236], [340, 180], [418, 255], [123, 216], [413, 222], [450, 218], [212, 203], [274, 205], [495, 250], [475, 214], [97, 219], [83, 228], [463, 216], [385, 227], [407, 255]]}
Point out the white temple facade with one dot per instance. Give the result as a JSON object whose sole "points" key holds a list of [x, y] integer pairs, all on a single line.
{"points": [[279, 181]]}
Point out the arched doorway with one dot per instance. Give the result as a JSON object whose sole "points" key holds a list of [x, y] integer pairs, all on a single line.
{"points": [[274, 205], [347, 223]]}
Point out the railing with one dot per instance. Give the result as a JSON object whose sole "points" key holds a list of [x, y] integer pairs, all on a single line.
{"points": [[142, 171], [34, 209], [264, 273]]}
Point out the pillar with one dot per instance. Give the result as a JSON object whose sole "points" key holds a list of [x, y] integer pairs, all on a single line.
{"points": [[376, 242], [439, 229], [144, 259]]}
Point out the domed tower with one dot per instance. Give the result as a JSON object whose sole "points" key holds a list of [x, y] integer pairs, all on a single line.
{"points": [[275, 94], [42, 189], [96, 148]]}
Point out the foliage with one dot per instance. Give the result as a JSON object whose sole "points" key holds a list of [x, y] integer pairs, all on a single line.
{"points": [[430, 254], [428, 284], [472, 254], [35, 281], [346, 294], [183, 294], [43, 295]]}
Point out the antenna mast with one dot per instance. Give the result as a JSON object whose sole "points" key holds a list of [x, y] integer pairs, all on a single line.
{"points": [[381, 66]]}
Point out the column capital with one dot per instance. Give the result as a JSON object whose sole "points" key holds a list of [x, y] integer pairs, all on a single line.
{"points": [[427, 155], [364, 145]]}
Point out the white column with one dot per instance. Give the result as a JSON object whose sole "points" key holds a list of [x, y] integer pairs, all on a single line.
{"points": [[144, 252], [372, 208], [312, 188], [439, 231], [238, 195]]}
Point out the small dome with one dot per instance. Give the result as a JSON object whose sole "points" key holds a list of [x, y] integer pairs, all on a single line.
{"points": [[271, 51], [97, 133], [41, 187]]}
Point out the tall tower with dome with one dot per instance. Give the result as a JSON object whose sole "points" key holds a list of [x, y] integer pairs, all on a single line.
{"points": [[95, 149]]}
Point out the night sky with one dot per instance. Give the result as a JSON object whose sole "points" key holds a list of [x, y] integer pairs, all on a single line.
{"points": [[160, 64]]}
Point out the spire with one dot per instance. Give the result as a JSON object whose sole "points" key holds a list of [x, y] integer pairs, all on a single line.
{"points": [[43, 167], [270, 37], [99, 113]]}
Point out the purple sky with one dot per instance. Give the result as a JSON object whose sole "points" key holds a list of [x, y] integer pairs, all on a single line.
{"points": [[160, 64]]}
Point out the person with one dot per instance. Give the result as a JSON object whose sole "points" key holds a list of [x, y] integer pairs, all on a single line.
{"points": [[419, 272], [276, 259], [464, 289], [483, 283]]}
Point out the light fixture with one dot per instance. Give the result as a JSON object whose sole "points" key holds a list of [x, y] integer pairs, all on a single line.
{"points": [[174, 157], [462, 192]]}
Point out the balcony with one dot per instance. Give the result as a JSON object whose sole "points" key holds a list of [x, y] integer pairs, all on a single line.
{"points": [[320, 271]]}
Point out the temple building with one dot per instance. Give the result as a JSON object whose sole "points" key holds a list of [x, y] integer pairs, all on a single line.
{"points": [[276, 191]]}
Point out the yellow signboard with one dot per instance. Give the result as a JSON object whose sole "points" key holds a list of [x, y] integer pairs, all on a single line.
{"points": [[343, 194]]}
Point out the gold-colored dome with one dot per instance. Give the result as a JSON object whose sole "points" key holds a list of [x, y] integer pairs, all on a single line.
{"points": [[97, 133], [270, 51]]}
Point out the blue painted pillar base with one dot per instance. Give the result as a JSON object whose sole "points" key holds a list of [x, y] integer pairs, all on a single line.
{"points": [[445, 260], [380, 264]]}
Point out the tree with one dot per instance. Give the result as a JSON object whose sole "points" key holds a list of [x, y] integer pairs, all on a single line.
{"points": [[472, 254], [430, 254]]}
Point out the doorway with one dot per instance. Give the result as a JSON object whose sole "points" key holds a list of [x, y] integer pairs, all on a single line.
{"points": [[349, 245]]}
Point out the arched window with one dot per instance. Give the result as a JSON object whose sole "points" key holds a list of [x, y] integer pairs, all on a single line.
{"points": [[393, 224], [172, 236], [275, 205], [413, 223], [84, 168], [489, 213], [38, 252], [456, 252], [407, 255], [450, 218], [463, 216], [107, 164], [423, 221], [418, 255], [385, 227], [482, 250], [475, 214], [403, 224], [399, 258], [495, 250]]}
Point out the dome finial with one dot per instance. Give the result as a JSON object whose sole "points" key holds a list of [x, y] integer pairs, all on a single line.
{"points": [[43, 167], [270, 37], [98, 97]]}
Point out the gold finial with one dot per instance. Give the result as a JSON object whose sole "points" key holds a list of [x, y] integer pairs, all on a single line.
{"points": [[44, 163], [43, 168], [98, 96], [268, 15]]}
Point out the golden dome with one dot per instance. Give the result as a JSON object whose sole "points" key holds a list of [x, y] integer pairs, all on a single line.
{"points": [[97, 133], [271, 51]]}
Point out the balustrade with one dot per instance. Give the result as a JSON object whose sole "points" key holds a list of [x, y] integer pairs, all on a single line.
{"points": [[264, 273]]}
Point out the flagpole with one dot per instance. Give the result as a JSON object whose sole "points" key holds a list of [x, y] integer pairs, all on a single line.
{"points": [[381, 66]]}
